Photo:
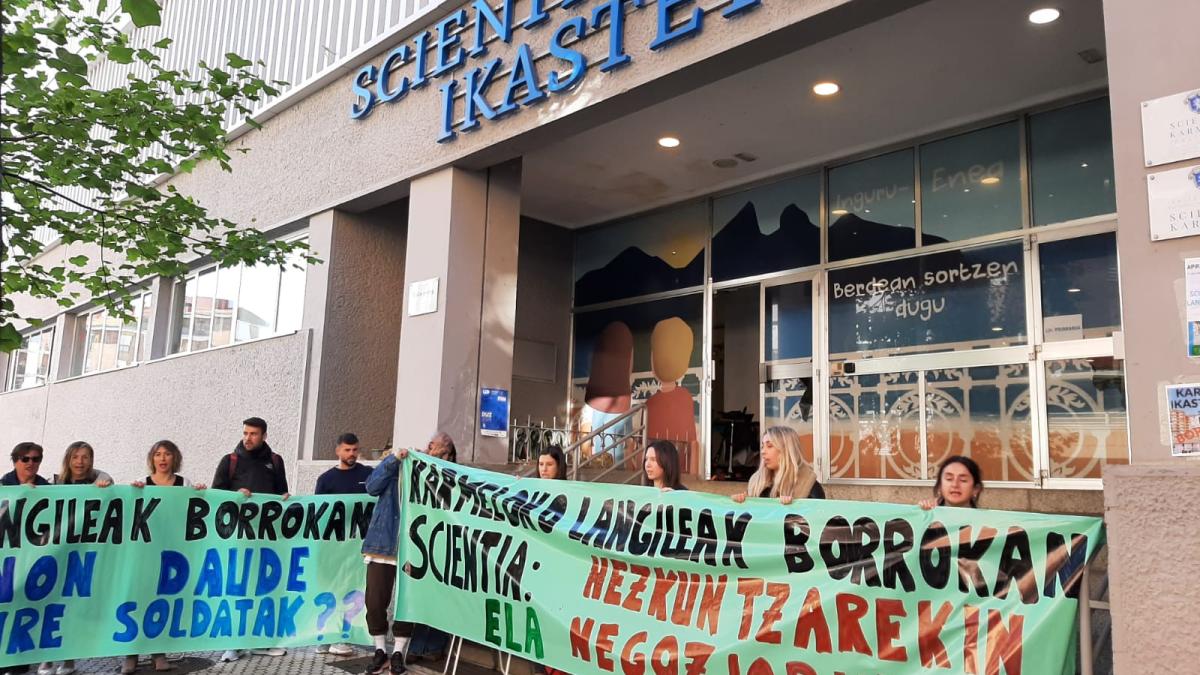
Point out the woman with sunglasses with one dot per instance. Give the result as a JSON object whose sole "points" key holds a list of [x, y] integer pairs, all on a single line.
{"points": [[26, 459]]}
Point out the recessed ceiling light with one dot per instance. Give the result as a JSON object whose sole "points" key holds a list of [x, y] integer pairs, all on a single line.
{"points": [[1044, 15], [997, 329], [990, 180], [669, 142], [1083, 166], [966, 189], [839, 212], [1074, 290], [826, 88]]}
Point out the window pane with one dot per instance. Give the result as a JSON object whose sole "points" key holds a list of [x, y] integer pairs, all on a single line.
{"points": [[1085, 416], [257, 302], [43, 372], [1071, 163], [29, 365], [971, 184], [657, 252], [206, 287], [767, 229], [126, 345], [108, 346], [1080, 295], [147, 315], [187, 292], [789, 402], [613, 356], [291, 299], [874, 426], [788, 319], [982, 413], [871, 206], [226, 296], [20, 363], [95, 343], [79, 344], [941, 301]]}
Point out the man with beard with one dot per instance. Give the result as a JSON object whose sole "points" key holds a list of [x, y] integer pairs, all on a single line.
{"points": [[252, 467], [348, 477]]}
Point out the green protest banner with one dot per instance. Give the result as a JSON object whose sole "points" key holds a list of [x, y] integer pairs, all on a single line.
{"points": [[592, 578], [87, 571]]}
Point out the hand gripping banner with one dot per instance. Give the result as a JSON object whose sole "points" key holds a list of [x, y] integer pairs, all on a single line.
{"points": [[87, 571], [600, 578]]}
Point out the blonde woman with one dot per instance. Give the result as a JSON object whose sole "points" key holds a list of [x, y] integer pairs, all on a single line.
{"points": [[782, 471]]}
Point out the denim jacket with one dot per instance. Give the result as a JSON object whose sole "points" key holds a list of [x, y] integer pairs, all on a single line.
{"points": [[384, 483]]}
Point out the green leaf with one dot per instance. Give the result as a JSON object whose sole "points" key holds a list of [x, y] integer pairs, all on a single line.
{"points": [[10, 338], [143, 12], [79, 260], [236, 61]]}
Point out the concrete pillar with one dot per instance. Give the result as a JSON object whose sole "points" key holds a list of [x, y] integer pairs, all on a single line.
{"points": [[463, 230], [161, 289], [1150, 506], [353, 314], [1151, 53]]}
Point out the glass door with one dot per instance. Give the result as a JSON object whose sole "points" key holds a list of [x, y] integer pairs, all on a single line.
{"points": [[788, 380]]}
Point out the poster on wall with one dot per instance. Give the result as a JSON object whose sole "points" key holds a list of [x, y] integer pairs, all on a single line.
{"points": [[1183, 406], [1191, 275], [1171, 128], [493, 412]]}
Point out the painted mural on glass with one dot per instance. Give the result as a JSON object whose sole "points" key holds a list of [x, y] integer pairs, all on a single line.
{"points": [[662, 251], [767, 229], [643, 353]]}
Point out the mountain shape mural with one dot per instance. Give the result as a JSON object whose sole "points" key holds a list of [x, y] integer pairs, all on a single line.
{"points": [[634, 272], [740, 249]]}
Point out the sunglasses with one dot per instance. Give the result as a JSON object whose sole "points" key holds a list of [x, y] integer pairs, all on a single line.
{"points": [[30, 458]]}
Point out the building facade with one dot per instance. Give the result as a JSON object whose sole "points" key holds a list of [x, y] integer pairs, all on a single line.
{"points": [[949, 255]]}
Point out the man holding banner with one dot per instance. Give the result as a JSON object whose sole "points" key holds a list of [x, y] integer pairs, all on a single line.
{"points": [[347, 478]]}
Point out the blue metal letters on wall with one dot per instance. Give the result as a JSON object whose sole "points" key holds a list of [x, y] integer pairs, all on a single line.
{"points": [[443, 49]]}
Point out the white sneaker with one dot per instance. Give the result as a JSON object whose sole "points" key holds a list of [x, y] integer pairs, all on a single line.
{"points": [[231, 655], [272, 651], [341, 649], [66, 668], [46, 669], [323, 648]]}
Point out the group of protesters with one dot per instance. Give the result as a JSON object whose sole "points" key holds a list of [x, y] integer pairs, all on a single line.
{"points": [[253, 467]]}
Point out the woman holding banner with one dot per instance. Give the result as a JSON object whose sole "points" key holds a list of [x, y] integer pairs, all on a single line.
{"points": [[660, 467], [77, 469], [164, 461], [552, 464], [959, 483], [782, 471]]}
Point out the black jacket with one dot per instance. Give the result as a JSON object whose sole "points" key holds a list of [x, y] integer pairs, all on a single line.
{"points": [[260, 470]]}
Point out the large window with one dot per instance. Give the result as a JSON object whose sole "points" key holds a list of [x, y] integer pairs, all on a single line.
{"points": [[1079, 287], [1071, 163], [218, 306], [971, 184], [872, 206], [29, 364], [963, 299], [103, 341]]}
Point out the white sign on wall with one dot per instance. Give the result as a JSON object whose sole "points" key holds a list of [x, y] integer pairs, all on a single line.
{"points": [[1171, 128], [1174, 198], [423, 297]]}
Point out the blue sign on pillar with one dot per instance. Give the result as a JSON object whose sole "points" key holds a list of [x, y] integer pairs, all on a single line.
{"points": [[493, 412]]}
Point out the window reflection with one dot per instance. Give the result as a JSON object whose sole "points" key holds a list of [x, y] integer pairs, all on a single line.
{"points": [[1071, 163], [1080, 293], [872, 206], [257, 302], [971, 184], [788, 318]]}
